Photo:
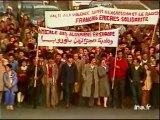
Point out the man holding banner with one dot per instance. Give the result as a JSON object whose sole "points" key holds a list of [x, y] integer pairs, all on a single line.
{"points": [[121, 68], [35, 89]]}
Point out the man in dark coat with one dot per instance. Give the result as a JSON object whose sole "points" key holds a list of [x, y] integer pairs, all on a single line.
{"points": [[68, 78], [136, 77], [35, 90]]}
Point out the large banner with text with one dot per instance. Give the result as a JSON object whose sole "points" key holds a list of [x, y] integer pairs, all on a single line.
{"points": [[100, 14], [61, 38]]}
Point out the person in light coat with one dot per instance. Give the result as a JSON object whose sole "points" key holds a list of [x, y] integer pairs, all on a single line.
{"points": [[3, 62], [104, 90], [90, 83], [50, 81], [10, 86], [147, 85]]}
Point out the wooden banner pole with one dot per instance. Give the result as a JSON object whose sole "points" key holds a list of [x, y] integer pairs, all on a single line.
{"points": [[35, 74], [154, 31]]}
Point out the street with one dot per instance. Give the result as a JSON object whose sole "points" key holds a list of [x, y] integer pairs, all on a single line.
{"points": [[81, 112]]}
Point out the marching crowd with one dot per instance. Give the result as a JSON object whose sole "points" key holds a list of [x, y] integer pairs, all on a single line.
{"points": [[70, 74]]}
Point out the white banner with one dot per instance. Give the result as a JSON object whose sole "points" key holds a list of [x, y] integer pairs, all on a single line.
{"points": [[100, 14], [61, 38]]}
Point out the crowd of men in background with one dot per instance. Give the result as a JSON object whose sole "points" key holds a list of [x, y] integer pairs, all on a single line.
{"points": [[70, 74]]}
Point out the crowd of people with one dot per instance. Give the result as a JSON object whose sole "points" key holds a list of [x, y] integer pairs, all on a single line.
{"points": [[76, 74]]}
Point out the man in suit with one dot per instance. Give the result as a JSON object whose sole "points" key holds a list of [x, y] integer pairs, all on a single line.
{"points": [[77, 92], [59, 62], [68, 78]]}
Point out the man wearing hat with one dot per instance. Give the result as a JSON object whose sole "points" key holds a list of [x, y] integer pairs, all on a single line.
{"points": [[9, 11]]}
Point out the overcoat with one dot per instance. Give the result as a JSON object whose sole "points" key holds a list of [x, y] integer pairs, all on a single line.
{"points": [[87, 83]]}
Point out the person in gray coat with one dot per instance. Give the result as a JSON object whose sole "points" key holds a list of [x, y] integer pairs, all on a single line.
{"points": [[104, 90], [90, 83]]}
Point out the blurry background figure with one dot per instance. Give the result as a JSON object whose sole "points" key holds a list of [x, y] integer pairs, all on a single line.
{"points": [[3, 62], [147, 86]]}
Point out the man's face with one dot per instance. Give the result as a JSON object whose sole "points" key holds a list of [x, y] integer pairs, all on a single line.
{"points": [[135, 63], [50, 61], [28, 36], [85, 52], [41, 59], [128, 36], [70, 60], [81, 51], [129, 58], [138, 53], [93, 61], [21, 54], [35, 61], [151, 50], [145, 56], [120, 55], [58, 57], [126, 50], [8, 68], [75, 56], [10, 58], [97, 49], [139, 57]]}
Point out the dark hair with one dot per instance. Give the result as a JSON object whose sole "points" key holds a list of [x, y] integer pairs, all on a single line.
{"points": [[153, 48], [22, 60], [153, 56], [11, 54], [138, 60], [69, 56], [130, 54], [137, 49], [147, 65], [120, 51], [91, 58], [90, 53], [9, 65]]}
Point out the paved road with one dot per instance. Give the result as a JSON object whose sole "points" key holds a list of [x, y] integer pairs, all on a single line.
{"points": [[74, 112]]}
